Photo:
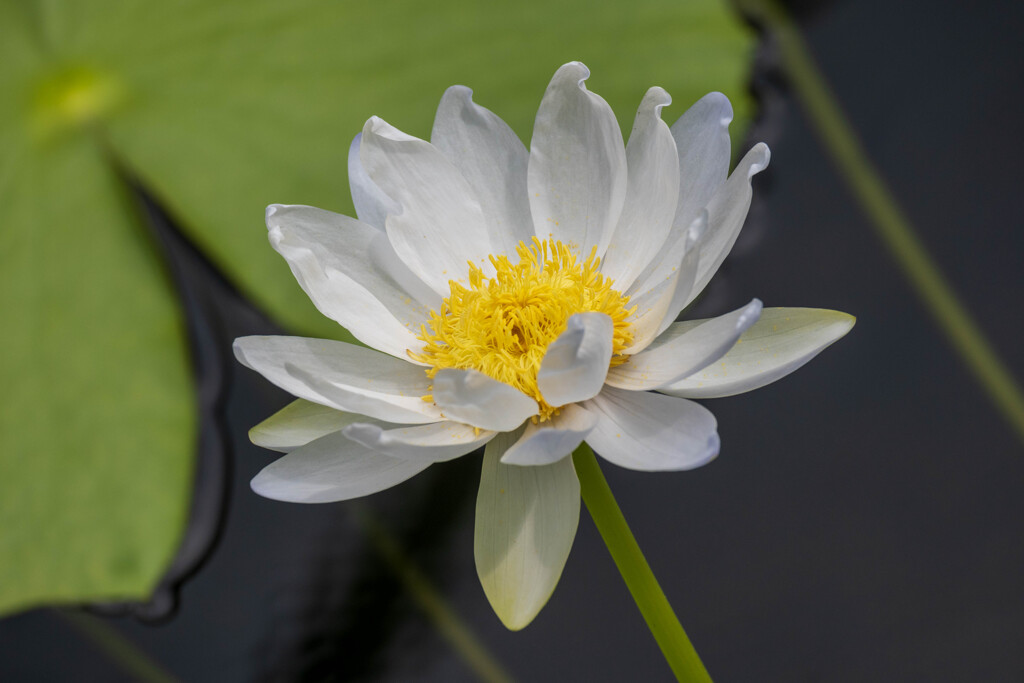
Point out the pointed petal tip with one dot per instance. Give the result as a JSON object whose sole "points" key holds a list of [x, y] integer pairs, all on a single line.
{"points": [[271, 210], [656, 98], [760, 156], [750, 314], [573, 70], [363, 433]]}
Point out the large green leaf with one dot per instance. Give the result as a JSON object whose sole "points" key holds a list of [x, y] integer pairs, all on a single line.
{"points": [[222, 108]]}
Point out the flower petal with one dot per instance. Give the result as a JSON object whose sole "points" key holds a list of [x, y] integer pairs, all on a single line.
{"points": [[776, 345], [687, 280], [435, 442], [548, 442], [652, 191], [651, 308], [298, 423], [441, 225], [726, 212], [331, 469], [526, 519], [372, 205], [493, 161], [352, 276], [641, 430], [577, 172], [677, 245], [342, 376], [575, 364], [473, 398], [702, 139], [683, 349]]}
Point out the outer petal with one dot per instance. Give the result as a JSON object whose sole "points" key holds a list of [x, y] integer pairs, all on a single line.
{"points": [[683, 349], [350, 273], [641, 430], [441, 225], [330, 469], [298, 423], [342, 376], [526, 519], [548, 442], [702, 138], [473, 398], [577, 173], [575, 364], [726, 212], [435, 442], [652, 191], [779, 343], [493, 161], [372, 205]]}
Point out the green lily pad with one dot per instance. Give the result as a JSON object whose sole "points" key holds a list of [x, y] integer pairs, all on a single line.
{"points": [[221, 108]]}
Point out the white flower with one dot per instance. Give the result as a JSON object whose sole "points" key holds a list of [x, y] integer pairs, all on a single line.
{"points": [[524, 300]]}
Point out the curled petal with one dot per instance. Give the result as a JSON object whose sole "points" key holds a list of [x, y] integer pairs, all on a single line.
{"points": [[548, 442], [641, 430], [683, 349], [776, 345], [343, 376], [372, 205], [652, 192], [331, 469], [493, 161], [435, 442], [577, 174], [575, 364], [475, 399]]}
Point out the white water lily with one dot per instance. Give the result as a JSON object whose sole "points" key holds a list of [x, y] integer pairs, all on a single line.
{"points": [[524, 300]]}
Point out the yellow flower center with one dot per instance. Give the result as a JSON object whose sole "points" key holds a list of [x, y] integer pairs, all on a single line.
{"points": [[502, 325]]}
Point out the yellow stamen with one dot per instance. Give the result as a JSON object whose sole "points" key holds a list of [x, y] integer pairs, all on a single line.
{"points": [[502, 325]]}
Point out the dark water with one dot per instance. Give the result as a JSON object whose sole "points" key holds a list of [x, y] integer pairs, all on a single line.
{"points": [[863, 522]]}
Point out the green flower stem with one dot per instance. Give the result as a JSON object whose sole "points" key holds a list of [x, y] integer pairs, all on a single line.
{"points": [[891, 224], [637, 574]]}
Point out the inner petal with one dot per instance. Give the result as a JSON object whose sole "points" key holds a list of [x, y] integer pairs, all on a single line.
{"points": [[501, 325]]}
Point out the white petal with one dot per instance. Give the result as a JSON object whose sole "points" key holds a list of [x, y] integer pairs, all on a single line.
{"points": [[372, 205], [683, 349], [577, 172], [298, 423], [441, 226], [726, 212], [475, 399], [652, 192], [671, 258], [493, 161], [435, 442], [685, 283], [651, 308], [548, 442], [330, 469], [641, 430], [779, 343], [350, 273], [702, 138], [342, 376], [526, 519], [575, 364]]}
